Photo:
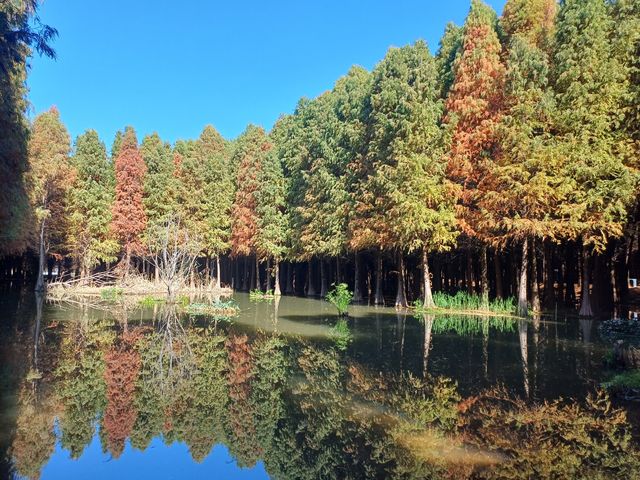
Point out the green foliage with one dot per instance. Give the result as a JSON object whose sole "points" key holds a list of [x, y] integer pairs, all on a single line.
{"points": [[341, 334], [111, 294], [627, 380], [464, 301], [340, 297], [467, 325], [260, 295], [220, 310], [149, 301]]}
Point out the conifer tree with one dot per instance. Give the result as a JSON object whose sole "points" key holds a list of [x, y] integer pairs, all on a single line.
{"points": [[521, 194], [129, 219], [448, 51], [474, 107], [50, 175], [158, 204], [588, 83], [249, 155], [401, 198], [90, 200]]}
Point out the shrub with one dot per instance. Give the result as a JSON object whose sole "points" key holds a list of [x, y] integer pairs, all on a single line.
{"points": [[340, 297]]}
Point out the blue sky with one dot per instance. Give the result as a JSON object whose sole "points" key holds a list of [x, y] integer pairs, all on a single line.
{"points": [[173, 67]]}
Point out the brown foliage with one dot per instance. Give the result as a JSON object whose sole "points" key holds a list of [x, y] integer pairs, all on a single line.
{"points": [[129, 218], [122, 368]]}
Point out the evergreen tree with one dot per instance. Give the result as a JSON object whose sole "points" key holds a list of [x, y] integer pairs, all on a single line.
{"points": [[20, 32], [448, 51], [50, 175], [473, 108], [158, 204], [90, 200], [129, 219], [588, 83], [401, 199]]}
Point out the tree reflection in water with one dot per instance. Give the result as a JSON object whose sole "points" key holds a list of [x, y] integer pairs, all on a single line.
{"points": [[307, 409]]}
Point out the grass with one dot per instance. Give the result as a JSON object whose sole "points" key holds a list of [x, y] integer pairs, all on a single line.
{"points": [[471, 325], [111, 294], [627, 380], [217, 309], [466, 302], [149, 301], [260, 295]]}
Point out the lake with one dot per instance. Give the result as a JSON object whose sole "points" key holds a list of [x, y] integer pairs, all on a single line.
{"points": [[287, 390]]}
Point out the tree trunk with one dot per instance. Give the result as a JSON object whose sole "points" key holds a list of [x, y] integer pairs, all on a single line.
{"points": [[469, 273], [428, 326], [357, 289], [379, 298], [497, 266], [535, 294], [338, 276], [218, 273], [311, 291], [288, 289], [426, 278], [523, 308], [323, 279], [40, 285], [258, 282], [585, 297], [548, 295], [268, 281], [276, 274], [484, 275], [401, 295]]}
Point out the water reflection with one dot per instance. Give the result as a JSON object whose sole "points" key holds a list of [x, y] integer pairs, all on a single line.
{"points": [[277, 387]]}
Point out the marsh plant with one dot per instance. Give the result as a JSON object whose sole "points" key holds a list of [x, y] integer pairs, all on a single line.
{"points": [[340, 297]]}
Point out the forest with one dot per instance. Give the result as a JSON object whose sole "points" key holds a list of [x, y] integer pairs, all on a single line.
{"points": [[505, 165]]}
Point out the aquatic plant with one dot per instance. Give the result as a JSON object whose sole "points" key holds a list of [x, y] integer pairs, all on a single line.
{"points": [[221, 308], [340, 297], [464, 301], [260, 295], [471, 324], [111, 294], [341, 334], [149, 301]]}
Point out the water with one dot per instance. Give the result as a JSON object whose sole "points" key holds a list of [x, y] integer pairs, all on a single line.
{"points": [[281, 392]]}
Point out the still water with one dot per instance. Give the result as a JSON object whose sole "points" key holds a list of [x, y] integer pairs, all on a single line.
{"points": [[286, 390]]}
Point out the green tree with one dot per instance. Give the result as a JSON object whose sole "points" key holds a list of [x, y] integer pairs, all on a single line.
{"points": [[589, 85], [90, 199], [50, 175]]}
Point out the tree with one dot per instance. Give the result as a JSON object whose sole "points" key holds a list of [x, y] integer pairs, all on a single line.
{"points": [[158, 203], [271, 240], [49, 177], [249, 155], [90, 200], [402, 200], [448, 52], [20, 32], [473, 110], [521, 195], [129, 219], [588, 82]]}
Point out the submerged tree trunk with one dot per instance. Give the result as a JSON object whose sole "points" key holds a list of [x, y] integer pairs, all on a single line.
{"points": [[401, 295], [585, 297], [428, 326], [426, 278], [497, 266], [523, 308], [40, 285], [535, 293], [268, 273], [276, 274], [218, 273], [484, 275], [258, 284], [311, 290], [357, 290], [323, 279], [379, 298]]}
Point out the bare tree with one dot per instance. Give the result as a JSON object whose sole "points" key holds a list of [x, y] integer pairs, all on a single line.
{"points": [[175, 256]]}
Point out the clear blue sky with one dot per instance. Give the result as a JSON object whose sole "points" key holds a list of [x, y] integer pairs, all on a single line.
{"points": [[173, 67]]}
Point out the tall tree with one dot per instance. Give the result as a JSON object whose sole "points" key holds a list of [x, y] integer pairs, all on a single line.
{"points": [[90, 201], [129, 219], [521, 194], [401, 198], [50, 175], [20, 33], [448, 51], [474, 107], [271, 240], [588, 83], [158, 202], [249, 155]]}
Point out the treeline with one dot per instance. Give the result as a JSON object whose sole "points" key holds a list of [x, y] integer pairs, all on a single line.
{"points": [[506, 165]]}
